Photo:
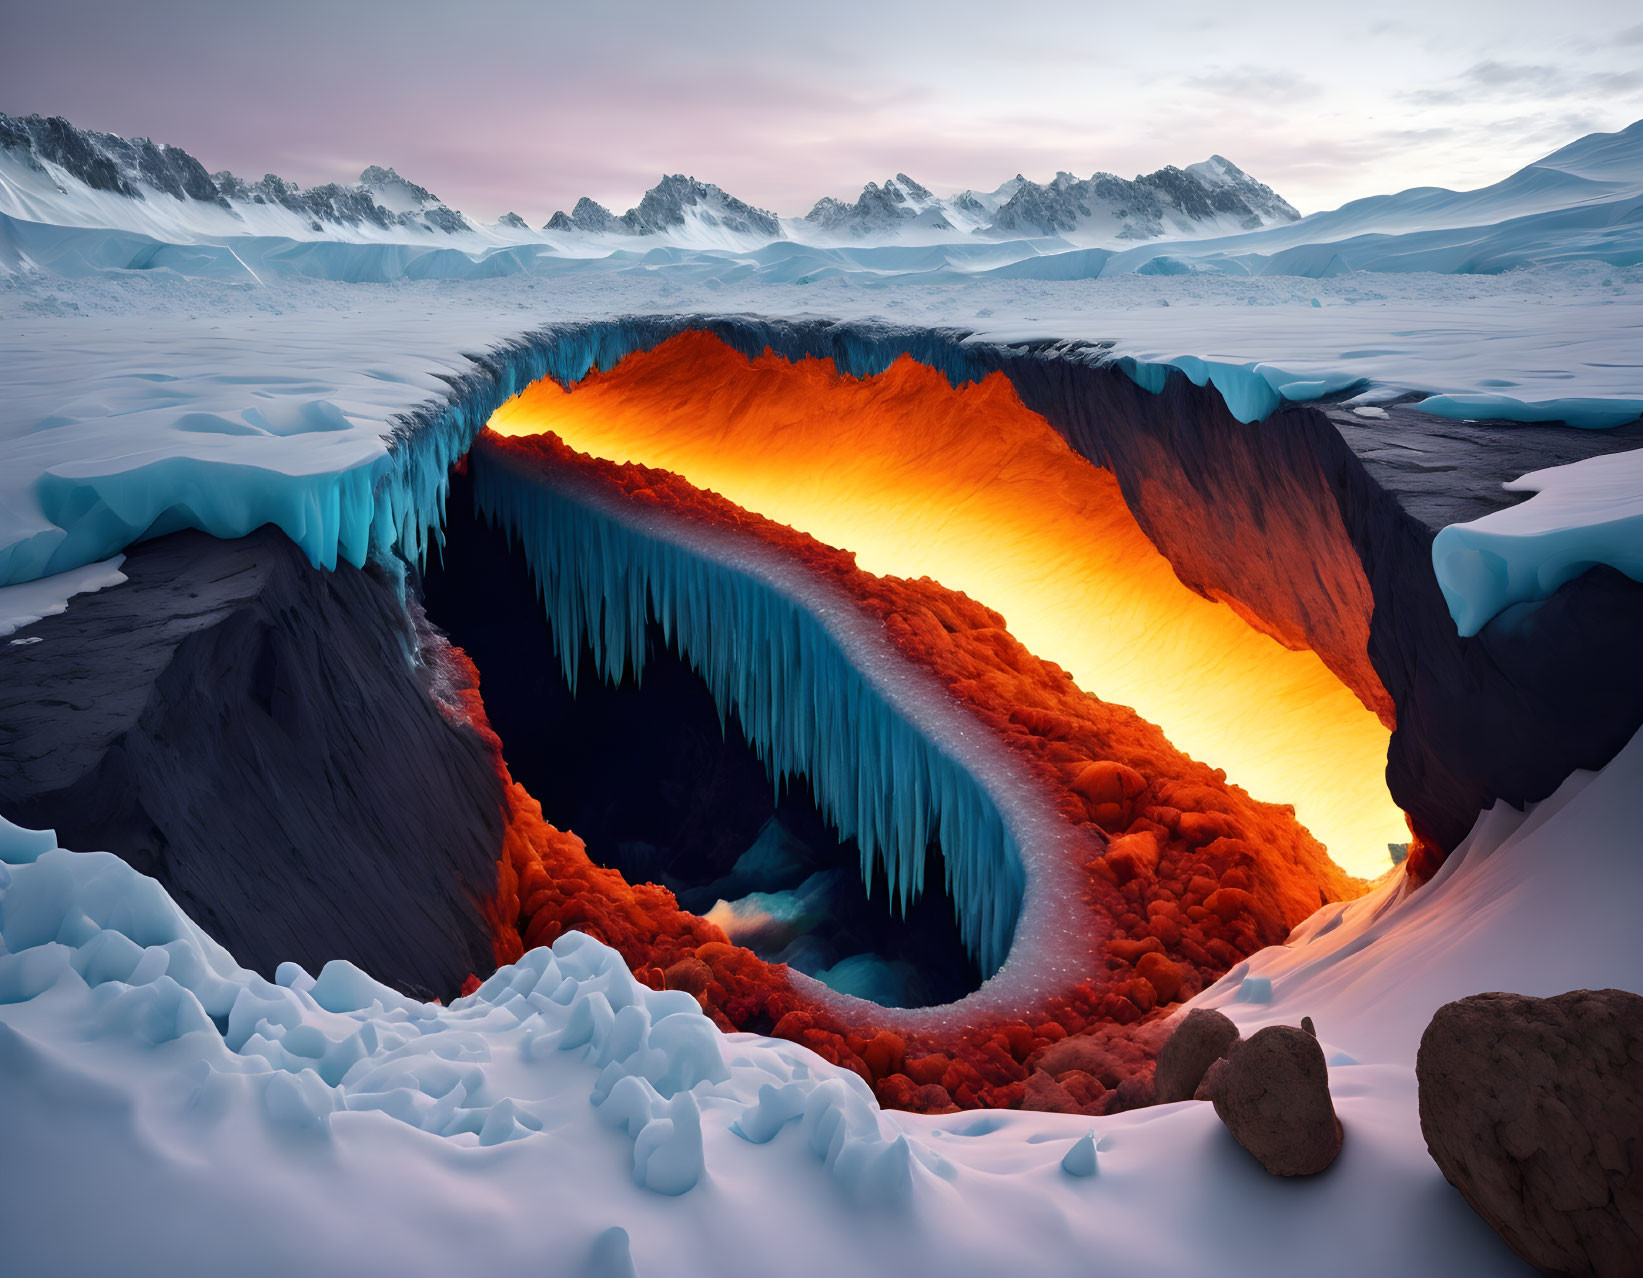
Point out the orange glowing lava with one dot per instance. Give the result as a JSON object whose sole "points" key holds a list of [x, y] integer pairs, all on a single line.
{"points": [[969, 487]]}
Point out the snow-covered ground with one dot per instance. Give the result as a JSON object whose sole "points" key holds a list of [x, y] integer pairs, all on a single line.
{"points": [[130, 395], [28, 601], [208, 1120]]}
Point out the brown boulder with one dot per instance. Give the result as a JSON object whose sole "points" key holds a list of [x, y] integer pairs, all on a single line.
{"points": [[689, 974], [1043, 1093], [1201, 1038], [1533, 1109], [1272, 1093]]}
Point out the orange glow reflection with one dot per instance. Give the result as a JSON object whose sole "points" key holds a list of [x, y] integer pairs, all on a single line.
{"points": [[969, 487]]}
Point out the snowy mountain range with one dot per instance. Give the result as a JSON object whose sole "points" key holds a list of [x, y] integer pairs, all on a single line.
{"points": [[41, 156], [1211, 197], [74, 200], [51, 171]]}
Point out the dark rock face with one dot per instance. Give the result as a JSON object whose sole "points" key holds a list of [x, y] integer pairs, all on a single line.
{"points": [[261, 737], [1272, 1093], [107, 162], [1533, 1109], [588, 215], [1201, 1039]]}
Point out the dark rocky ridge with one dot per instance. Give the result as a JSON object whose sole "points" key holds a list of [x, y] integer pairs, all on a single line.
{"points": [[252, 731], [107, 162]]}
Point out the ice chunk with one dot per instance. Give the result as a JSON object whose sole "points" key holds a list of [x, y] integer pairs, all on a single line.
{"points": [[1588, 512], [342, 987], [611, 1256], [300, 1101], [1081, 1159], [667, 1156], [23, 847]]}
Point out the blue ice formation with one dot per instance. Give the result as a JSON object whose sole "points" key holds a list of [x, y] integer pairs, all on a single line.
{"points": [[1590, 414], [1082, 1159], [1584, 513], [1251, 391], [113, 958], [807, 708]]}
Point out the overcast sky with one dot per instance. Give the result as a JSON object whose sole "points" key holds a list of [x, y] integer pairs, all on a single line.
{"points": [[513, 104]]}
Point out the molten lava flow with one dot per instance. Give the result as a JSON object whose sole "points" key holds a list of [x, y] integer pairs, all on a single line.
{"points": [[1192, 874], [970, 488]]}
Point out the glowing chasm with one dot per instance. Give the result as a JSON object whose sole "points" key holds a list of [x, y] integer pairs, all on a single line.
{"points": [[883, 752], [968, 486]]}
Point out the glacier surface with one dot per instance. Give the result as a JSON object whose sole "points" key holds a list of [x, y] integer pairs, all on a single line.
{"points": [[138, 403]]}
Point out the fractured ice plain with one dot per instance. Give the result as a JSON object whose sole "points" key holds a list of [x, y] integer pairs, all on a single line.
{"points": [[236, 405]]}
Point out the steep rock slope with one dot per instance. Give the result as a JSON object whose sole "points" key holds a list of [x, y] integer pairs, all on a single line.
{"points": [[248, 730]]}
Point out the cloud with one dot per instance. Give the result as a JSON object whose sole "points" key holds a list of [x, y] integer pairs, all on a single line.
{"points": [[1246, 82], [1491, 79], [1631, 35]]}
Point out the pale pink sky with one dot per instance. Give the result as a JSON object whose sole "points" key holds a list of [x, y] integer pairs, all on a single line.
{"points": [[506, 104]]}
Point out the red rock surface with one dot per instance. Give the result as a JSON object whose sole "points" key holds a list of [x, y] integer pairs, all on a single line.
{"points": [[1195, 873]]}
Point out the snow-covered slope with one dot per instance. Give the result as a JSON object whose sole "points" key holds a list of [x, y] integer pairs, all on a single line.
{"points": [[1581, 200], [566, 1120]]}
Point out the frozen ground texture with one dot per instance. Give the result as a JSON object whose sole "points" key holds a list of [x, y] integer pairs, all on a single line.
{"points": [[139, 401], [203, 1108]]}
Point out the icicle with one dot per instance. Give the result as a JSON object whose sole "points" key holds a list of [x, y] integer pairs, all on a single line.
{"points": [[778, 668]]}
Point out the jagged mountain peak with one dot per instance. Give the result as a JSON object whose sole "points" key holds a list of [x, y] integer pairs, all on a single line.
{"points": [[1212, 195], [677, 203], [884, 209]]}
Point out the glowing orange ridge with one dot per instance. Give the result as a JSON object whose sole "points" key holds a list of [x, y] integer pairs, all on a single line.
{"points": [[1196, 875], [970, 488]]}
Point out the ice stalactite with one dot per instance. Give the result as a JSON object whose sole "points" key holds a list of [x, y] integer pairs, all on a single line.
{"points": [[811, 705]]}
